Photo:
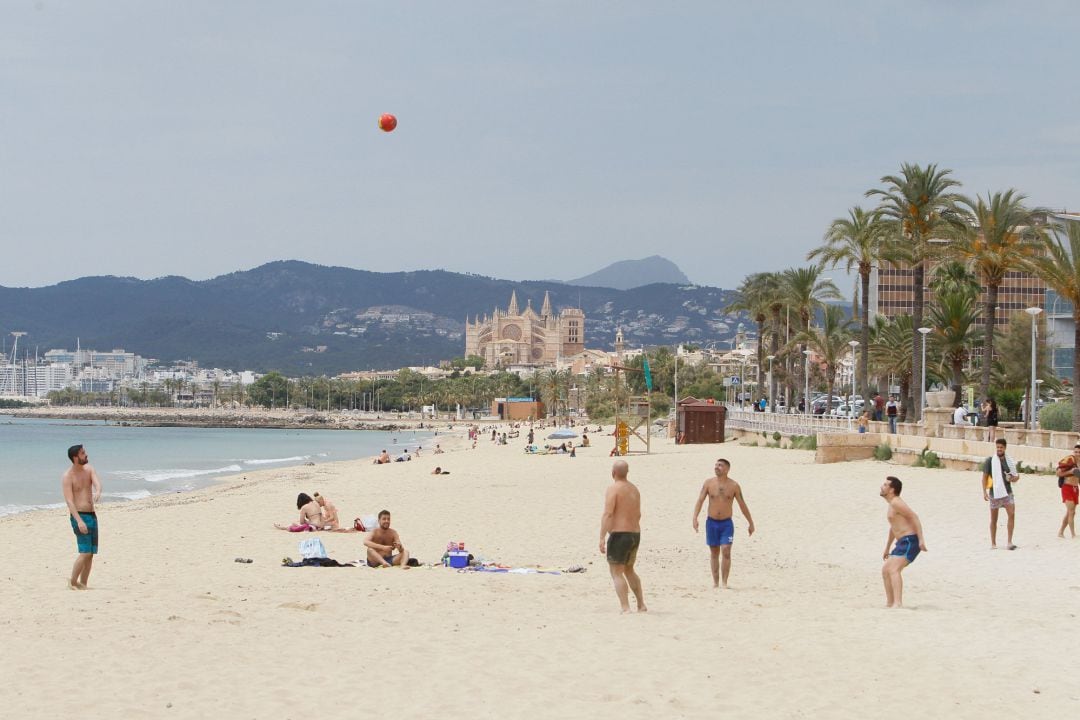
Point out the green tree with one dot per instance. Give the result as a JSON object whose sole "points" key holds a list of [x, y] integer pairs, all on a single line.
{"points": [[918, 205], [829, 342], [269, 390], [856, 242], [997, 234], [889, 354], [1059, 267], [953, 316], [805, 292]]}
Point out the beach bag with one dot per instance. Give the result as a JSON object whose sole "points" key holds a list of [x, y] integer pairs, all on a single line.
{"points": [[312, 548], [358, 525]]}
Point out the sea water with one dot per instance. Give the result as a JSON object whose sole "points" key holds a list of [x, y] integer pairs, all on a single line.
{"points": [[137, 462]]}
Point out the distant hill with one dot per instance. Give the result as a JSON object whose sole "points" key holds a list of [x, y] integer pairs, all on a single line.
{"points": [[629, 274], [310, 319]]}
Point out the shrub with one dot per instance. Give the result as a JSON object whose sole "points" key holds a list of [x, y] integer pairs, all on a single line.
{"points": [[1056, 416], [883, 452], [804, 442], [776, 436], [928, 459]]}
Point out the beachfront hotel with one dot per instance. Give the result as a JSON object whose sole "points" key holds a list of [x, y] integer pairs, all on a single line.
{"points": [[891, 295]]}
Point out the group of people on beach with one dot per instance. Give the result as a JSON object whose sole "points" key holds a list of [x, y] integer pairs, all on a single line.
{"points": [[620, 527]]}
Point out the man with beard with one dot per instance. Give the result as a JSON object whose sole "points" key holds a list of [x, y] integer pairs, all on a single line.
{"points": [[82, 488]]}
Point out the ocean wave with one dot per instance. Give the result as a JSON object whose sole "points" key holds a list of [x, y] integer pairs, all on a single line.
{"points": [[129, 495], [16, 509], [156, 476], [268, 461]]}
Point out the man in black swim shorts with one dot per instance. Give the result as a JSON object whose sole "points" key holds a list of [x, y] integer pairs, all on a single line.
{"points": [[620, 535]]}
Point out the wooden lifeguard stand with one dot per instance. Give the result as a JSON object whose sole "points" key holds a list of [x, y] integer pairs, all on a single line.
{"points": [[639, 412]]}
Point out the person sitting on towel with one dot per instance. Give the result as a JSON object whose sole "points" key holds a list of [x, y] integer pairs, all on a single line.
{"points": [[329, 513], [311, 517], [383, 543]]}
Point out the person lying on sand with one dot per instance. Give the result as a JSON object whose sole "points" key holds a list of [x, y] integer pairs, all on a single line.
{"points": [[440, 471]]}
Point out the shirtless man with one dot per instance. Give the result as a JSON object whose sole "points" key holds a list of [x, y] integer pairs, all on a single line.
{"points": [[329, 513], [1068, 472], [906, 530], [82, 488], [620, 535], [383, 458], [719, 527], [383, 542]]}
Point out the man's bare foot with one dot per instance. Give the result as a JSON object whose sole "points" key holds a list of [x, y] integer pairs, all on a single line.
{"points": [[641, 608], [626, 610], [1061, 535], [75, 585]]}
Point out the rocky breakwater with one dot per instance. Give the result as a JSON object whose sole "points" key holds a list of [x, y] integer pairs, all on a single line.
{"points": [[217, 417]]}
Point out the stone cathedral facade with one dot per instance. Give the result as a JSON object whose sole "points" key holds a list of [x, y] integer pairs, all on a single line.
{"points": [[524, 337]]}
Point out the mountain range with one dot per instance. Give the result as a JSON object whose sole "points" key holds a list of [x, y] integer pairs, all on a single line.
{"points": [[301, 318]]}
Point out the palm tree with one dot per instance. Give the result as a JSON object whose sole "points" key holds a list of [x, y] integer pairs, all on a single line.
{"points": [[754, 298], [889, 353], [829, 342], [998, 234], [1059, 268], [953, 315], [805, 291], [856, 242], [918, 206]]}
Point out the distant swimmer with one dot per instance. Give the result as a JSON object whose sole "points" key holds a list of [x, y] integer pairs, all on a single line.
{"points": [[906, 530], [82, 488], [722, 491], [620, 535]]}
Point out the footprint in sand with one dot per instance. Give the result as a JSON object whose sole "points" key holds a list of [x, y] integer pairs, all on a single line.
{"points": [[309, 607]]}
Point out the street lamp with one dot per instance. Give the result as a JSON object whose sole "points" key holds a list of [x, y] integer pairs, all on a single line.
{"points": [[806, 383], [922, 391], [772, 391], [1038, 394], [851, 398], [1034, 313]]}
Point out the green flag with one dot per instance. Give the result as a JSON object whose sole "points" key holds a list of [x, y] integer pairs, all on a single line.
{"points": [[648, 375]]}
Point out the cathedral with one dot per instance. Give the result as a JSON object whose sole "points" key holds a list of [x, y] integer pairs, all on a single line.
{"points": [[515, 337]]}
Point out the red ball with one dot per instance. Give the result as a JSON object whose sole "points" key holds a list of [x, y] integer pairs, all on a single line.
{"points": [[387, 122]]}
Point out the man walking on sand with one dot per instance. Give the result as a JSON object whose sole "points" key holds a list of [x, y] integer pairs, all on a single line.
{"points": [[906, 530], [1068, 472], [719, 527], [620, 535], [82, 489], [998, 476]]}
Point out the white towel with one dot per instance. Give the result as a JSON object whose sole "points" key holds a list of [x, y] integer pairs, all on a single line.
{"points": [[999, 490]]}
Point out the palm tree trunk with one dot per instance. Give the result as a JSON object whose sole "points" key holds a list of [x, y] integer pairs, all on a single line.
{"points": [[864, 336], [917, 277], [990, 315], [774, 351], [1076, 370]]}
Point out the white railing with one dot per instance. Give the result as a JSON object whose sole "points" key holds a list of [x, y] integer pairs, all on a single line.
{"points": [[787, 424]]}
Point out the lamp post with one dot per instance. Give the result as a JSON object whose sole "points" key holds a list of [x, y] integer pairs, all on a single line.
{"points": [[1034, 313], [922, 389], [806, 383], [742, 382], [1038, 394], [772, 393], [851, 398]]}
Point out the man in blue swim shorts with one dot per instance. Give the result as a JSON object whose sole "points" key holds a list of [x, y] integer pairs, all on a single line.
{"points": [[722, 491], [82, 489], [906, 530]]}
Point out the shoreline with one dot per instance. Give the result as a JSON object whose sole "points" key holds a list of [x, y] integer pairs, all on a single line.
{"points": [[219, 418]]}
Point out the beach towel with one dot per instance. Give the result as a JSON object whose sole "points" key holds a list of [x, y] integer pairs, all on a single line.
{"points": [[998, 484], [312, 548], [316, 562]]}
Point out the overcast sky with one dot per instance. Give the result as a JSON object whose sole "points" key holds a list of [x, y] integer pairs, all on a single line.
{"points": [[535, 139]]}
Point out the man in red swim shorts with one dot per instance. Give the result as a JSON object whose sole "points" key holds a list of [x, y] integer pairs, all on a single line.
{"points": [[1068, 472]]}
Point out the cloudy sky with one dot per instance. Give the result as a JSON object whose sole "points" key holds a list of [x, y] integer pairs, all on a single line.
{"points": [[535, 139]]}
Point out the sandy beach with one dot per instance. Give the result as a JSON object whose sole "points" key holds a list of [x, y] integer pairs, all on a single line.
{"points": [[173, 627]]}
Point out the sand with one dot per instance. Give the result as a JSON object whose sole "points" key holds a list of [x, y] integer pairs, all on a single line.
{"points": [[173, 627]]}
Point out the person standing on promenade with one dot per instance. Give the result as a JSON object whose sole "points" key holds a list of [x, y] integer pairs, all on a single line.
{"points": [[892, 411], [1068, 472], [906, 530], [879, 407], [620, 535], [721, 491], [82, 488], [998, 476]]}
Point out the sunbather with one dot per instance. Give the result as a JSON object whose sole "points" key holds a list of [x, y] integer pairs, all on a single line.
{"points": [[383, 543], [329, 513], [311, 517]]}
